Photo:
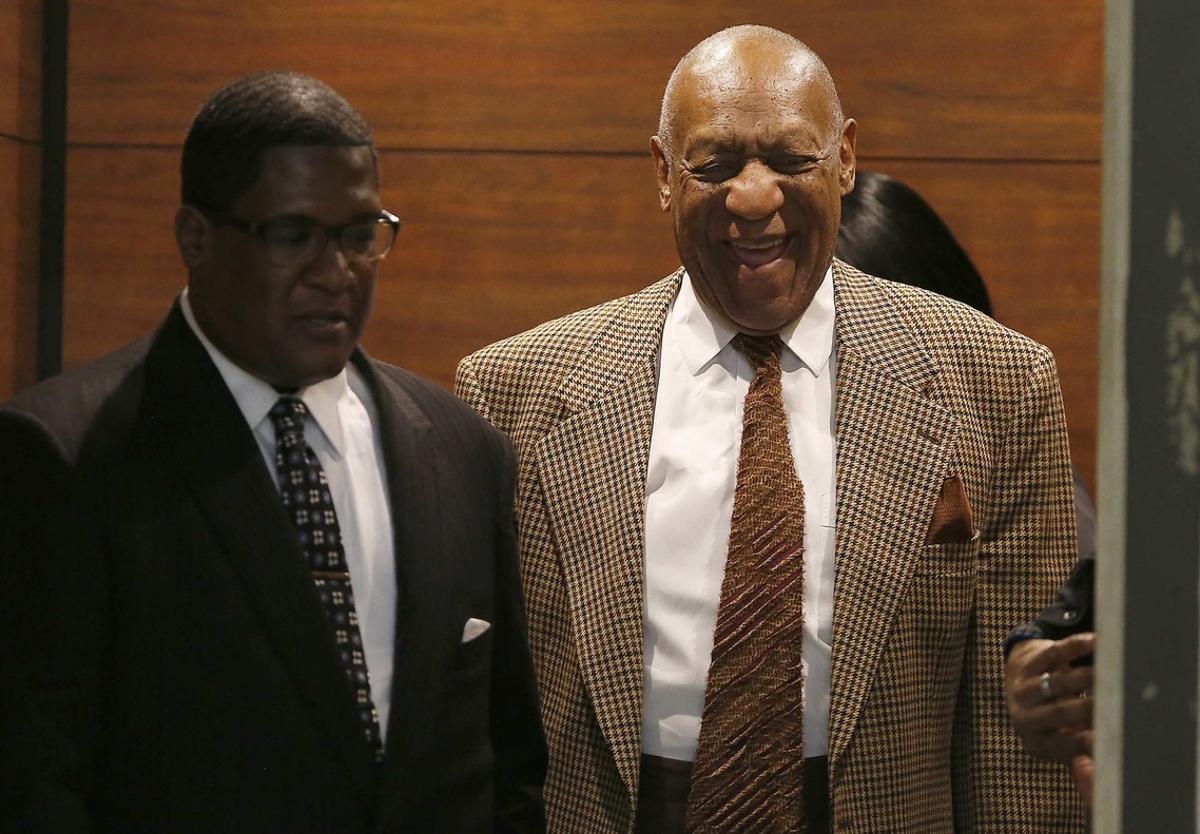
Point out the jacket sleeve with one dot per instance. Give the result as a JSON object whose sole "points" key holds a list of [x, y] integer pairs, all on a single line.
{"points": [[1029, 544], [1072, 611], [52, 632]]}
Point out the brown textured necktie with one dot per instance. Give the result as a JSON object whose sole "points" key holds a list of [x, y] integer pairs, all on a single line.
{"points": [[749, 766]]}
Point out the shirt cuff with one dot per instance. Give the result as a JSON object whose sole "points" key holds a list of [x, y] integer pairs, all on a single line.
{"points": [[1028, 631]]}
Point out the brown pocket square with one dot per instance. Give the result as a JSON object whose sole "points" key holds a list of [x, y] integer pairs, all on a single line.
{"points": [[952, 517]]}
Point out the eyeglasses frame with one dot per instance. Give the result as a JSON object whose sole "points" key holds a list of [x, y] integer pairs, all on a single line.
{"points": [[331, 232]]}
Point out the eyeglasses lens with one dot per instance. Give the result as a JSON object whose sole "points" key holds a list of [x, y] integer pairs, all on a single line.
{"points": [[292, 242]]}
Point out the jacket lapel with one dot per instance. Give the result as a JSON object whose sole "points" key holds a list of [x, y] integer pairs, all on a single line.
{"points": [[193, 425], [592, 469], [424, 627], [894, 443]]}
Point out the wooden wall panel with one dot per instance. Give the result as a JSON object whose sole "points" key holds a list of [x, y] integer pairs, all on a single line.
{"points": [[19, 163], [548, 235], [20, 125], [515, 136], [495, 243], [941, 78], [122, 268], [20, 68]]}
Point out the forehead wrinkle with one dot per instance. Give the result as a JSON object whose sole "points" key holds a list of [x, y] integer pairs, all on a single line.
{"points": [[751, 59], [784, 113], [794, 136]]}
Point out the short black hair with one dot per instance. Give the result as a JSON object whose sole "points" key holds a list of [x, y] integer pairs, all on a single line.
{"points": [[222, 155], [888, 230]]}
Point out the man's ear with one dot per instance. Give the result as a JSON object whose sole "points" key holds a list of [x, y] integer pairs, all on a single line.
{"points": [[847, 161], [662, 169], [193, 235]]}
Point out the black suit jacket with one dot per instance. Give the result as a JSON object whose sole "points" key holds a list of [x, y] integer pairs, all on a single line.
{"points": [[167, 665]]}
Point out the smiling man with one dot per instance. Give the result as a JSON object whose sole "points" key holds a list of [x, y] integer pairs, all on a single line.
{"points": [[775, 515], [253, 579]]}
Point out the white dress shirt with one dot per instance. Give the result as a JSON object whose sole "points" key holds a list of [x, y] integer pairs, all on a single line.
{"points": [[702, 385], [343, 432]]}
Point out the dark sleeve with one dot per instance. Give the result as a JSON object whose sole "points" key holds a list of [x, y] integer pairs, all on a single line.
{"points": [[1072, 609], [516, 723], [52, 603]]}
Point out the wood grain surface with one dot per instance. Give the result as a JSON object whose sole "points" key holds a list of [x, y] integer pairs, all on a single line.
{"points": [[515, 149], [940, 78], [19, 163], [20, 128], [20, 68]]}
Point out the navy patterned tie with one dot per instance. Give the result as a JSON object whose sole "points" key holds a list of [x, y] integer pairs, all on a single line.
{"points": [[309, 505]]}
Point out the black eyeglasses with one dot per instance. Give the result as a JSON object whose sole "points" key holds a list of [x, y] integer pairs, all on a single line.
{"points": [[298, 242]]}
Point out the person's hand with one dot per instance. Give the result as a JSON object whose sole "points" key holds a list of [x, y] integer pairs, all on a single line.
{"points": [[1048, 698]]}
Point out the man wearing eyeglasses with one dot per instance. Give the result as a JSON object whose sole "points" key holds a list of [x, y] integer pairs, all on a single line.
{"points": [[254, 580]]}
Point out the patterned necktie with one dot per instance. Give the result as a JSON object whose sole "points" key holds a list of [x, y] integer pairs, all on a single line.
{"points": [[309, 505], [749, 768]]}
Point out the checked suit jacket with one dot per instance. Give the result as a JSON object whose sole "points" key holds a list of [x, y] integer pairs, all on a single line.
{"points": [[926, 390], [166, 662]]}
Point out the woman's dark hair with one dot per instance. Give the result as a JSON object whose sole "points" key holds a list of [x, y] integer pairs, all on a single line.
{"points": [[889, 231]]}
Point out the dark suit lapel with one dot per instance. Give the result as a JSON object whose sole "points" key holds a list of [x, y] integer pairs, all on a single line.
{"points": [[592, 469], [425, 630], [894, 443], [193, 424]]}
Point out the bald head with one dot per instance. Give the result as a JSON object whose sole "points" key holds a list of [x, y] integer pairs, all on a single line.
{"points": [[752, 157], [732, 58]]}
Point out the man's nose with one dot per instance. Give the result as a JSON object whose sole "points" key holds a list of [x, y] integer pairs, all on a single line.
{"points": [[754, 193], [331, 270]]}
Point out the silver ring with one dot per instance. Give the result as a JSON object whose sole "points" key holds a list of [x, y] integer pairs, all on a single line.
{"points": [[1045, 687]]}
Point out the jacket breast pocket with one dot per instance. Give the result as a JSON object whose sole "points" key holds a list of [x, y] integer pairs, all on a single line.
{"points": [[934, 621], [466, 694], [951, 558], [471, 663]]}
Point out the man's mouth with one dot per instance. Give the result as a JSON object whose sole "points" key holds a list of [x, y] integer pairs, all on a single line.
{"points": [[756, 252], [324, 320]]}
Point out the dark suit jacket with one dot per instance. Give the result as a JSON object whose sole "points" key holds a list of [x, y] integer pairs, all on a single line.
{"points": [[167, 665]]}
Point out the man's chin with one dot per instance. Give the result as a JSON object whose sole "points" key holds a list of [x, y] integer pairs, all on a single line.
{"points": [[761, 323], [315, 369], [761, 306], [756, 301]]}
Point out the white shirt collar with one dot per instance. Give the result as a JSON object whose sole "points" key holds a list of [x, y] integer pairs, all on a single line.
{"points": [[255, 397], [702, 334]]}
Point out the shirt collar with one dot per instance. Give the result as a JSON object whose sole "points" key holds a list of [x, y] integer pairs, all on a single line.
{"points": [[255, 398], [702, 334]]}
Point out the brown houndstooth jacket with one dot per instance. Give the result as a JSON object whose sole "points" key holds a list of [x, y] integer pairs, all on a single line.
{"points": [[925, 389]]}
